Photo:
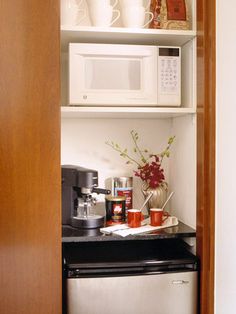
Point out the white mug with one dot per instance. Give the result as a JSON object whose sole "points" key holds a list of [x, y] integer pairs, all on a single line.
{"points": [[102, 16], [70, 12], [134, 3], [101, 3], [135, 17]]}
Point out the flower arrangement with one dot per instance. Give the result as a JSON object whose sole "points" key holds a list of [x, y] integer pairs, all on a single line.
{"points": [[149, 165]]}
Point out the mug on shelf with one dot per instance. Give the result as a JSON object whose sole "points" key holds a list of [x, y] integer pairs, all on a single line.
{"points": [[101, 3], [157, 216], [70, 12], [135, 16], [135, 217], [135, 3], [101, 16]]}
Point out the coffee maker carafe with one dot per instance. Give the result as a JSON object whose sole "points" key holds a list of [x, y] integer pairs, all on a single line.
{"points": [[78, 184]]}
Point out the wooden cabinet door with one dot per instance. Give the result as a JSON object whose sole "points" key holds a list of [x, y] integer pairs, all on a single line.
{"points": [[206, 132], [30, 227]]}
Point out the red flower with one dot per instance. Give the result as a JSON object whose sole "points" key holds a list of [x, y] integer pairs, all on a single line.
{"points": [[151, 172]]}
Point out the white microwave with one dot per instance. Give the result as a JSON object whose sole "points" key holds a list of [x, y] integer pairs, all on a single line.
{"points": [[124, 75]]}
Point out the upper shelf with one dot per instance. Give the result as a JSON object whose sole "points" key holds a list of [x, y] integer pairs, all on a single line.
{"points": [[121, 35], [123, 112]]}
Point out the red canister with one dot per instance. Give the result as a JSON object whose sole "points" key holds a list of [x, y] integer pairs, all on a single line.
{"points": [[115, 209], [123, 186]]}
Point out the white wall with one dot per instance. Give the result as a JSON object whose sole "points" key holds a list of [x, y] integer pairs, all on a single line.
{"points": [[83, 143], [183, 169], [225, 244]]}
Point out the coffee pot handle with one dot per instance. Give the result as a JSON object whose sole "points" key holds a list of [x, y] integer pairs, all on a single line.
{"points": [[101, 191]]}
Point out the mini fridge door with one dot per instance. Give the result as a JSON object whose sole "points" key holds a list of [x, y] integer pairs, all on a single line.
{"points": [[167, 293]]}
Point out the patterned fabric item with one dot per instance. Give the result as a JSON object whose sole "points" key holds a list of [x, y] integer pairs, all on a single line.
{"points": [[170, 14]]}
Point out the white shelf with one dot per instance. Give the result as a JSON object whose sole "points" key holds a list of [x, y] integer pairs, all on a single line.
{"points": [[121, 35], [123, 112]]}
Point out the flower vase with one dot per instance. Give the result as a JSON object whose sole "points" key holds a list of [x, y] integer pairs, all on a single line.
{"points": [[159, 195]]}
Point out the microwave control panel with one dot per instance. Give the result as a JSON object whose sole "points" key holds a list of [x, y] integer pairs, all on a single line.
{"points": [[169, 76]]}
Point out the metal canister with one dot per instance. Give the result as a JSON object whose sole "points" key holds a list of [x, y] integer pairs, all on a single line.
{"points": [[115, 209], [123, 186]]}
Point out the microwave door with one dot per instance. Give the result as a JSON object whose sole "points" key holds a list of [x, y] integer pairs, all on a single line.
{"points": [[115, 75]]}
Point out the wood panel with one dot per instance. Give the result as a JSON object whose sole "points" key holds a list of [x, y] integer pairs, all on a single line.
{"points": [[206, 151], [30, 251]]}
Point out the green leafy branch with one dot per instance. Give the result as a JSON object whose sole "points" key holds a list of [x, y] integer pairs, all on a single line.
{"points": [[136, 149], [166, 152], [123, 153], [141, 153]]}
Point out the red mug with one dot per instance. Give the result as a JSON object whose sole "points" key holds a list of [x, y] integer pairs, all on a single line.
{"points": [[135, 217], [157, 216]]}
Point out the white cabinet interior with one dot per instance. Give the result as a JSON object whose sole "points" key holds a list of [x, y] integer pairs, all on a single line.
{"points": [[85, 129], [188, 92], [83, 143]]}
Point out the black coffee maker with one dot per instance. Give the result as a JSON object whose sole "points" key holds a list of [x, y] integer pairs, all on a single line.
{"points": [[78, 184]]}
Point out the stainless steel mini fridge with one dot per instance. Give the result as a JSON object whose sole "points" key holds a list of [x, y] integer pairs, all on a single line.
{"points": [[137, 277]]}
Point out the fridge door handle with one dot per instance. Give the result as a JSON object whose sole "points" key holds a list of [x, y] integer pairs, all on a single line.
{"points": [[180, 282]]}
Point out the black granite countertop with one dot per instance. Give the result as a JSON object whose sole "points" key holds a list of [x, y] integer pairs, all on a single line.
{"points": [[70, 235]]}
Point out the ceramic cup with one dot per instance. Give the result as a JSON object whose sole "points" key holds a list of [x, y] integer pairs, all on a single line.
{"points": [[135, 16], [157, 216], [70, 12], [101, 3], [135, 217], [101, 16], [135, 3]]}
